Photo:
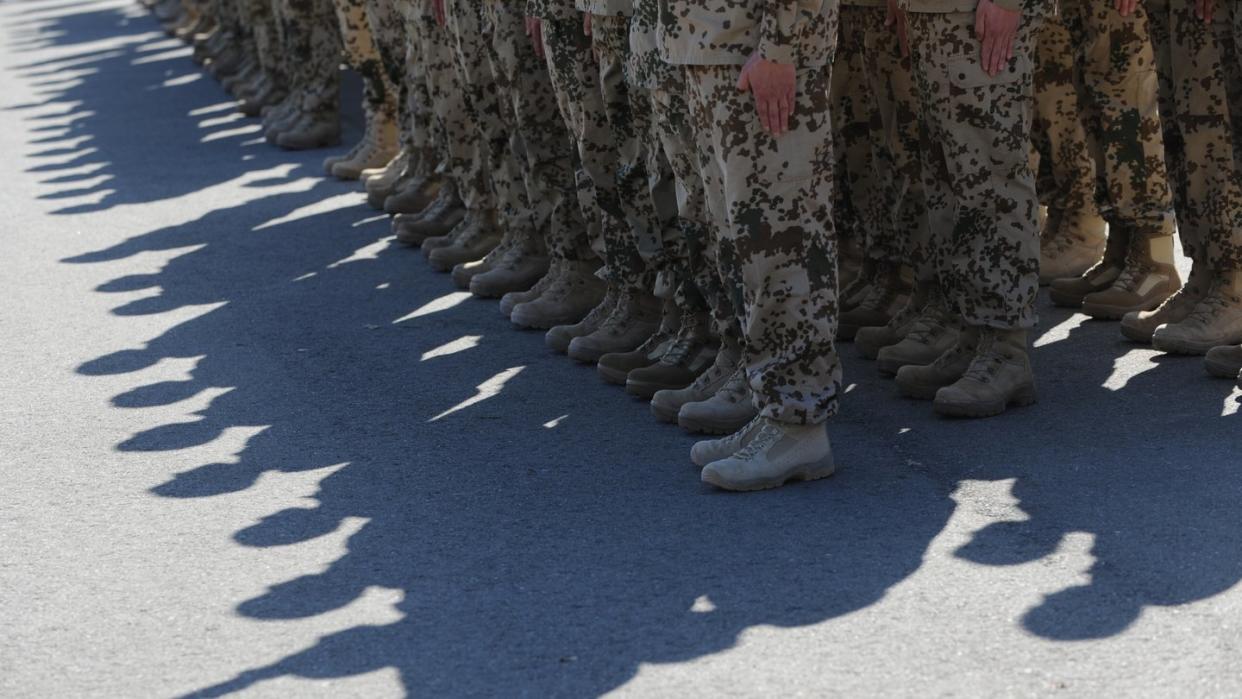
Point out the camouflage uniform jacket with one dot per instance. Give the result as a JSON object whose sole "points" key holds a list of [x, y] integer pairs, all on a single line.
{"points": [[726, 32]]}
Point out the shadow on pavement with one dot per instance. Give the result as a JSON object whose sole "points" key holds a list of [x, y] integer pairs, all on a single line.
{"points": [[545, 534]]}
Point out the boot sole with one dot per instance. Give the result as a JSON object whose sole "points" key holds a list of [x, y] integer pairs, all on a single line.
{"points": [[694, 426], [1136, 335], [643, 389], [805, 472], [1221, 370], [616, 377], [1022, 397], [1103, 312], [1065, 300], [920, 391], [665, 413], [1188, 347]]}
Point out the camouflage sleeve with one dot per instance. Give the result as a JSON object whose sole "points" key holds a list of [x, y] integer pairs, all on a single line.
{"points": [[536, 8], [778, 32]]}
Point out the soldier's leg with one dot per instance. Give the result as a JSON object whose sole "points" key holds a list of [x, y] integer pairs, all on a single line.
{"points": [[315, 48], [877, 291], [613, 158], [925, 328], [1197, 61], [379, 104], [1074, 233], [980, 188], [571, 293], [1119, 90], [549, 170], [467, 183], [387, 19]]}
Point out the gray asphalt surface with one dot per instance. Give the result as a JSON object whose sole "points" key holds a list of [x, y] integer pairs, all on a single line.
{"points": [[250, 445]]}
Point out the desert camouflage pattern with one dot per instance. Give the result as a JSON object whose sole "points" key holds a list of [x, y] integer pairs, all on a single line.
{"points": [[1098, 91], [260, 17], [1059, 132], [726, 32], [853, 112], [459, 146], [549, 167], [647, 69], [980, 189], [311, 43], [1197, 64], [772, 201], [902, 234], [472, 37], [615, 156], [358, 49]]}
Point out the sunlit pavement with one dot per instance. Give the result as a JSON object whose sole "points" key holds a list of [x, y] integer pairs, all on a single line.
{"points": [[250, 444]]}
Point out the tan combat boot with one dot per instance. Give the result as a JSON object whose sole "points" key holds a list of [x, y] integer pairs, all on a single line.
{"points": [[615, 367], [1069, 292], [413, 193], [636, 317], [775, 455], [870, 340], [568, 299], [379, 147], [317, 129], [1150, 276], [437, 221], [727, 411], [1139, 326], [887, 294], [1216, 320], [513, 298], [367, 134], [518, 269], [857, 289], [666, 404], [1072, 244], [1225, 362], [692, 352], [475, 237], [932, 334], [999, 376], [712, 450], [922, 382]]}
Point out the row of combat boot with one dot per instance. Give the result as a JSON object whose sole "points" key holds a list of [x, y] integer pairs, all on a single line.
{"points": [[1135, 279]]}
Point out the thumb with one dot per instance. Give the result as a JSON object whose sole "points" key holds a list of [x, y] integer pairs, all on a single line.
{"points": [[743, 80]]}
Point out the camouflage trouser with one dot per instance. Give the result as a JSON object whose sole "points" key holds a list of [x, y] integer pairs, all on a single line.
{"points": [[633, 247], [853, 111], [1197, 64], [361, 55], [268, 48], [549, 171], [772, 201], [421, 132], [575, 82], [1114, 73], [312, 47], [1059, 131], [975, 145], [903, 234], [472, 37], [459, 145], [387, 21]]}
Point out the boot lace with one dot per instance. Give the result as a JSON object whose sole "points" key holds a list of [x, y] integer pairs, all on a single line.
{"points": [[736, 388], [1136, 268], [768, 435], [1211, 305], [987, 362]]}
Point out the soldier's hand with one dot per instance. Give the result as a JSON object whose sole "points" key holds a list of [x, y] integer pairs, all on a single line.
{"points": [[774, 85], [586, 23], [996, 28], [1126, 7], [896, 20], [437, 9], [1206, 10], [534, 29]]}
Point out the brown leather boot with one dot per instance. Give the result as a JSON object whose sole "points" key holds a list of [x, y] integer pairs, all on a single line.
{"points": [[1072, 243], [1216, 320], [636, 318], [691, 353], [922, 382], [1150, 276]]}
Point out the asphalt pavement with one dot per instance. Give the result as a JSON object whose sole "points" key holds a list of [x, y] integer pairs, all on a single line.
{"points": [[249, 444]]}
